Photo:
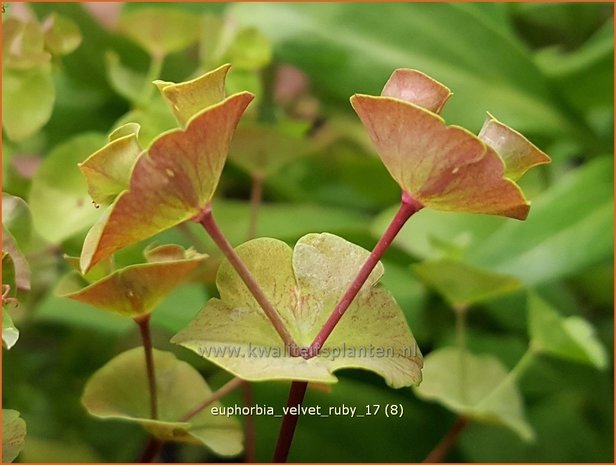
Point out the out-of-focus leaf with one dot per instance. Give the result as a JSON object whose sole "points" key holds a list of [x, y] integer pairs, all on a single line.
{"points": [[59, 201], [571, 338], [160, 31], [39, 450], [13, 435], [483, 373], [250, 50], [108, 170], [62, 35], [23, 45], [263, 149], [432, 234], [304, 284], [170, 183], [15, 264], [10, 333], [571, 227], [136, 289], [153, 118], [17, 219], [462, 285], [119, 390], [347, 48], [27, 100], [126, 82]]}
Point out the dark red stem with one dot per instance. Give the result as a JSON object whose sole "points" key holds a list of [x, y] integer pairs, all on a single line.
{"points": [[151, 450], [206, 219], [289, 422], [408, 207], [250, 440], [439, 452], [144, 327]]}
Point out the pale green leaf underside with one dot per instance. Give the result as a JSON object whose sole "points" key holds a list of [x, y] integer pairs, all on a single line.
{"points": [[442, 384], [463, 285], [13, 435], [120, 390], [304, 285], [571, 338], [10, 333]]}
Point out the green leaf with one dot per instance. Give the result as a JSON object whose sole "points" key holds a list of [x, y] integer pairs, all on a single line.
{"points": [[153, 118], [160, 31], [62, 36], [125, 81], [570, 229], [119, 390], [14, 263], [170, 183], [108, 170], [27, 103], [441, 39], [137, 289], [483, 373], [263, 149], [59, 200], [571, 338], [13, 435], [463, 285], [10, 333], [23, 45], [303, 284], [17, 219], [443, 167], [250, 50]]}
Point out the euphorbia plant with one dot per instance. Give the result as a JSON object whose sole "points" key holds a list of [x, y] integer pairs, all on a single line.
{"points": [[315, 308]]}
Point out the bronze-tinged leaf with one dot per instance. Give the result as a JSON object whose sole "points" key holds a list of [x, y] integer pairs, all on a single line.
{"points": [[170, 183], [418, 88], [518, 153], [134, 290], [443, 167]]}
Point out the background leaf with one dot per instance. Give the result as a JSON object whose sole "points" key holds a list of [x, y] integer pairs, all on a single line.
{"points": [[13, 435]]}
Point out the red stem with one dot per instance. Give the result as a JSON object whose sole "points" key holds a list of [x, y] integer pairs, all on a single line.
{"points": [[220, 393], [289, 422], [151, 450], [206, 219], [408, 207], [256, 198], [144, 327], [439, 452], [250, 442]]}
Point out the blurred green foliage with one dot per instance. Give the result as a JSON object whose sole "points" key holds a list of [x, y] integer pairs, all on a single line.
{"points": [[544, 69]]}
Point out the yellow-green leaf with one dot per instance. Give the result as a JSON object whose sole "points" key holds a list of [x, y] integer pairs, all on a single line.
{"points": [[136, 289], [10, 333], [160, 31], [304, 285], [463, 285], [470, 395], [13, 435], [571, 338], [62, 36], [119, 390], [250, 50]]}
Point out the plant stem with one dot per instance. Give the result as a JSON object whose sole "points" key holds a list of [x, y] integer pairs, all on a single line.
{"points": [[513, 376], [206, 219], [151, 450], [439, 452], [289, 422], [144, 327], [256, 198], [250, 442], [408, 207], [220, 393], [461, 343], [153, 73]]}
